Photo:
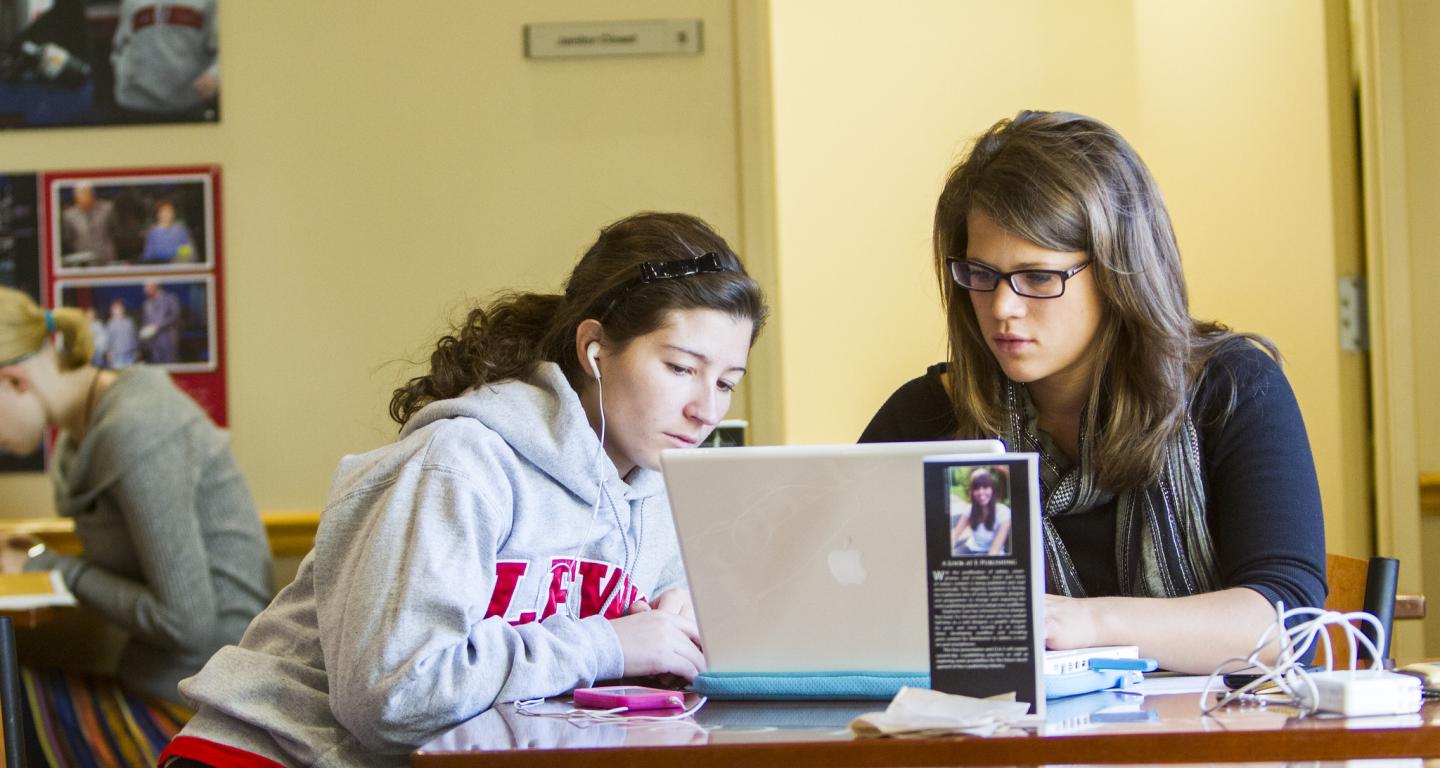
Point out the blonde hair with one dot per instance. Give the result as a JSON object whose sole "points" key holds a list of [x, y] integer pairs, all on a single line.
{"points": [[24, 330]]}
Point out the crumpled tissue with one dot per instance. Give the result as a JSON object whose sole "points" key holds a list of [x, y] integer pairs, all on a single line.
{"points": [[923, 712]]}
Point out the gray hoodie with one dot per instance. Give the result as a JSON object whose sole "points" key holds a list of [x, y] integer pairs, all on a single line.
{"points": [[437, 586]]}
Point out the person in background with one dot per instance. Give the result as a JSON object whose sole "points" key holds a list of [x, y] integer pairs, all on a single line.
{"points": [[99, 335], [161, 330], [87, 228], [1179, 498], [124, 346], [168, 241], [166, 60], [172, 550], [516, 541]]}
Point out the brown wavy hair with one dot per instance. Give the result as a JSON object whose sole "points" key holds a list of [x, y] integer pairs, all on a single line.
{"points": [[517, 331], [1067, 182], [23, 332]]}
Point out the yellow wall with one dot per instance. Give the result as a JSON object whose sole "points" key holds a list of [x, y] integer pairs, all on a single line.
{"points": [[1231, 104], [1420, 27], [1420, 61], [1254, 151], [382, 167], [871, 109]]}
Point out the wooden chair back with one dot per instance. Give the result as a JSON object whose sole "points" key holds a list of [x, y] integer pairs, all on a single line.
{"points": [[1346, 577]]}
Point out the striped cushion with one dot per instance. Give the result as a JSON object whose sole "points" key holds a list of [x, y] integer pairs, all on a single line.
{"points": [[90, 722]]}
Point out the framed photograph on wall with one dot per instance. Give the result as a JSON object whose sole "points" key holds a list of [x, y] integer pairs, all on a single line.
{"points": [[158, 223], [103, 62], [165, 321], [141, 249]]}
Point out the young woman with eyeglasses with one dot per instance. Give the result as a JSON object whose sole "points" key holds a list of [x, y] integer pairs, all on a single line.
{"points": [[1179, 493], [515, 541]]}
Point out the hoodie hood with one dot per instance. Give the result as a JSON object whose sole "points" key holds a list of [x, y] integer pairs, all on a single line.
{"points": [[541, 418]]}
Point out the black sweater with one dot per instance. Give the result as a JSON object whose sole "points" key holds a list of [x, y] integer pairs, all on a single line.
{"points": [[1262, 498]]}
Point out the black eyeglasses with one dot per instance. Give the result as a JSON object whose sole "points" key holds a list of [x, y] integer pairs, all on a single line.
{"points": [[1031, 283]]}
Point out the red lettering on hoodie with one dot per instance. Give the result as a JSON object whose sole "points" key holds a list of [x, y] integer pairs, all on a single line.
{"points": [[180, 16], [562, 573], [142, 18], [594, 587], [604, 589], [617, 606], [507, 577]]}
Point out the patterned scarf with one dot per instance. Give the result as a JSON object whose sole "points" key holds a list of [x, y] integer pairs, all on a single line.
{"points": [[1162, 542]]}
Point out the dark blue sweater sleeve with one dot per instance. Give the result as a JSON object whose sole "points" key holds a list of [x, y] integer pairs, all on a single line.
{"points": [[1263, 497]]}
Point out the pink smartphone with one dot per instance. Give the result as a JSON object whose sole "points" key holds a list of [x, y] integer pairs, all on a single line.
{"points": [[631, 697]]}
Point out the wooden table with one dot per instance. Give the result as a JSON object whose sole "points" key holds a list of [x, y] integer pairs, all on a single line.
{"points": [[26, 583], [1159, 729]]}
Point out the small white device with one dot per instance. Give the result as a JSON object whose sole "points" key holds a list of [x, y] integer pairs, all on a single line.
{"points": [[1359, 692], [1350, 692]]}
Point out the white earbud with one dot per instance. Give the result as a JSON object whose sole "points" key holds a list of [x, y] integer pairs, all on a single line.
{"points": [[593, 352]]}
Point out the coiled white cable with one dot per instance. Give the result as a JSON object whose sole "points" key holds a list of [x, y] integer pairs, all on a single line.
{"points": [[1289, 674]]}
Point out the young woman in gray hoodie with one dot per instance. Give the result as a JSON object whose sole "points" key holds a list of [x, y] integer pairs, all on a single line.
{"points": [[516, 541]]}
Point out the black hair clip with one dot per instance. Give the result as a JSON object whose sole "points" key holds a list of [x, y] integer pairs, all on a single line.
{"points": [[652, 271], [655, 271]]}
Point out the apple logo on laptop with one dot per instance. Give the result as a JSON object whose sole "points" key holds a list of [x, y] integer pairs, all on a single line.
{"points": [[845, 565]]}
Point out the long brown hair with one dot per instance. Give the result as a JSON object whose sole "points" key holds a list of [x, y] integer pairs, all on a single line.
{"points": [[508, 338], [983, 514], [24, 329], [1067, 182]]}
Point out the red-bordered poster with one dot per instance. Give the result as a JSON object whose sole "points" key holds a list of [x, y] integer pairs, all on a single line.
{"points": [[141, 251]]}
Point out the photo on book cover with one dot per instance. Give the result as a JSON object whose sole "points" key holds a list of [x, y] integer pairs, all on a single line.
{"points": [[979, 511], [986, 575]]}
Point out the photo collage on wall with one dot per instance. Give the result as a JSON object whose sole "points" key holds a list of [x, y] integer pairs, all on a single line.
{"points": [[138, 251]]}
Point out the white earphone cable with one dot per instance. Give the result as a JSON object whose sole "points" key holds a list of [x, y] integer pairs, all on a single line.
{"points": [[574, 563]]}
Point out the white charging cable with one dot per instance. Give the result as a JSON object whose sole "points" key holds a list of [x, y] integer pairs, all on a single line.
{"points": [[1289, 676]]}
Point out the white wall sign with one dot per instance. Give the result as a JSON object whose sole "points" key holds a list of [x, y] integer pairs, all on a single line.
{"points": [[664, 37]]}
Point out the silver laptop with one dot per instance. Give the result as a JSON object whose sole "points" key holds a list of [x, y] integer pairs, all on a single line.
{"points": [[808, 558]]}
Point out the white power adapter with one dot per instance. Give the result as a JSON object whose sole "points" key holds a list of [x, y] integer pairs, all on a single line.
{"points": [[1358, 692]]}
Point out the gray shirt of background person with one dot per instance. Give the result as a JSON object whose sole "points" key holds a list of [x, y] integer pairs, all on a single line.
{"points": [[173, 550]]}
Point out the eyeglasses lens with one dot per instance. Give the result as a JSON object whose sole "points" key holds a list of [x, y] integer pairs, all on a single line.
{"points": [[1040, 285], [972, 277]]}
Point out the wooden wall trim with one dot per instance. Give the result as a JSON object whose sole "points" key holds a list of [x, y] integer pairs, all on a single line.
{"points": [[1430, 493], [291, 533]]}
